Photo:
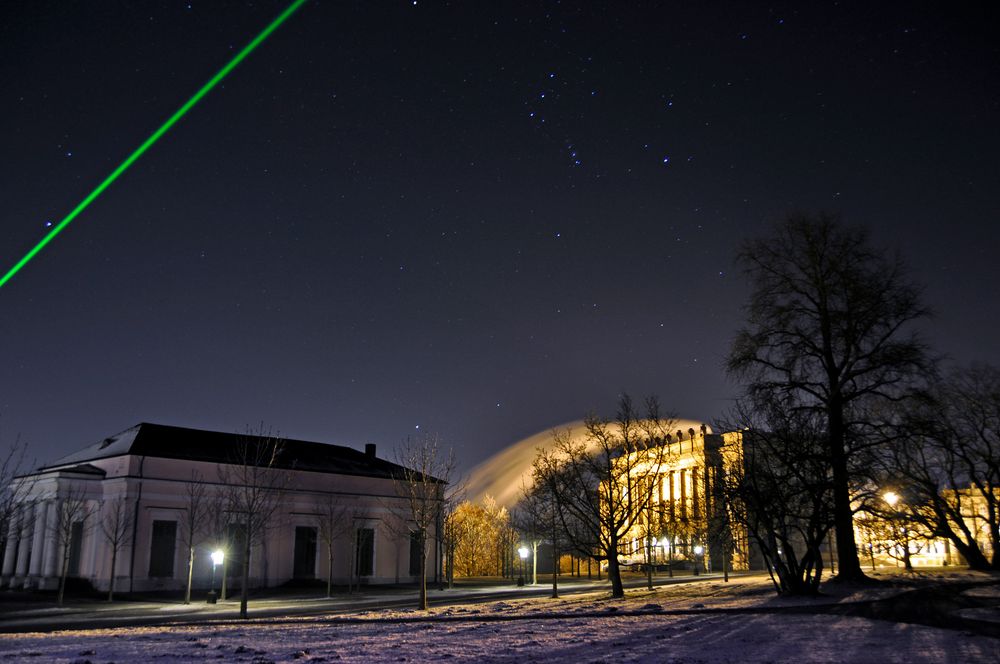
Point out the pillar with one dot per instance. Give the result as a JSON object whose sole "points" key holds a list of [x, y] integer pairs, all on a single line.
{"points": [[50, 573], [24, 548], [10, 552], [38, 542]]}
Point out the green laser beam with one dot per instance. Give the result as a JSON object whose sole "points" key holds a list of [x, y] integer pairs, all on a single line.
{"points": [[181, 112]]}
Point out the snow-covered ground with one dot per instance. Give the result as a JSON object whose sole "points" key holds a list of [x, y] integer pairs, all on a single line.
{"points": [[588, 628]]}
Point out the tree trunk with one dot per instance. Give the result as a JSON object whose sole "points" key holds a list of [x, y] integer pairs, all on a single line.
{"points": [[245, 589], [187, 593], [111, 582], [555, 569], [62, 578], [225, 574], [615, 576], [649, 565], [451, 564], [352, 563], [973, 555], [422, 599], [843, 515], [329, 573]]}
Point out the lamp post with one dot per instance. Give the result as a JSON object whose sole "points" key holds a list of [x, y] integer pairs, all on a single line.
{"points": [[217, 557], [698, 550], [522, 551]]}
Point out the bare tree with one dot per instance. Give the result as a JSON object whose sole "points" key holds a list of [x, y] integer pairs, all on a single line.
{"points": [[889, 530], [193, 522], [422, 481], [828, 325], [254, 483], [719, 527], [532, 517], [946, 470], [13, 489], [779, 485], [217, 521], [335, 519], [601, 483], [73, 513], [400, 532], [649, 528], [116, 525]]}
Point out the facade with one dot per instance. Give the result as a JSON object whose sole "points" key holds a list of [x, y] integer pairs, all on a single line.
{"points": [[885, 543], [686, 522], [146, 474]]}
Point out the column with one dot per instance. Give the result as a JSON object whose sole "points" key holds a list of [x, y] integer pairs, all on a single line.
{"points": [[684, 500], [673, 497], [24, 547], [695, 511], [38, 543], [50, 575], [10, 551]]}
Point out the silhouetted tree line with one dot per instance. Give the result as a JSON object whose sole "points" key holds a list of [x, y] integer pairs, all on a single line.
{"points": [[843, 402]]}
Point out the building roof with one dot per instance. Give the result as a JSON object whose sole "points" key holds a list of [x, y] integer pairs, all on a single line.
{"points": [[170, 442]]}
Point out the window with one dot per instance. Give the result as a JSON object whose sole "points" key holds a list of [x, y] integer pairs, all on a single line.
{"points": [[416, 548], [304, 563], [366, 552], [161, 549]]}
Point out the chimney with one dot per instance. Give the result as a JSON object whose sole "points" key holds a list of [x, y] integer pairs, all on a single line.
{"points": [[370, 450]]}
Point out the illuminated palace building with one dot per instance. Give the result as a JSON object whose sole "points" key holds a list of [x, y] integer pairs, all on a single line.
{"points": [[686, 521]]}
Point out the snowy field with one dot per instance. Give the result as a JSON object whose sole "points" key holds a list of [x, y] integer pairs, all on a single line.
{"points": [[587, 628]]}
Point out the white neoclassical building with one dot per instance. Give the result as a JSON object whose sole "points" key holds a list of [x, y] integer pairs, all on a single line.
{"points": [[147, 473]]}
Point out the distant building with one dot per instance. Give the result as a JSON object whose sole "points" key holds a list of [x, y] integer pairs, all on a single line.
{"points": [[687, 521], [150, 468]]}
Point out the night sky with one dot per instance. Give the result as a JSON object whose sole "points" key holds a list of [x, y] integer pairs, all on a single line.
{"points": [[474, 219]]}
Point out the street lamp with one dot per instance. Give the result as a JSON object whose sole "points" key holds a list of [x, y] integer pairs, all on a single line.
{"points": [[522, 551], [891, 498], [698, 550], [217, 557]]}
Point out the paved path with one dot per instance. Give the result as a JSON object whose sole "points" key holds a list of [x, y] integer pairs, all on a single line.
{"points": [[77, 615]]}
